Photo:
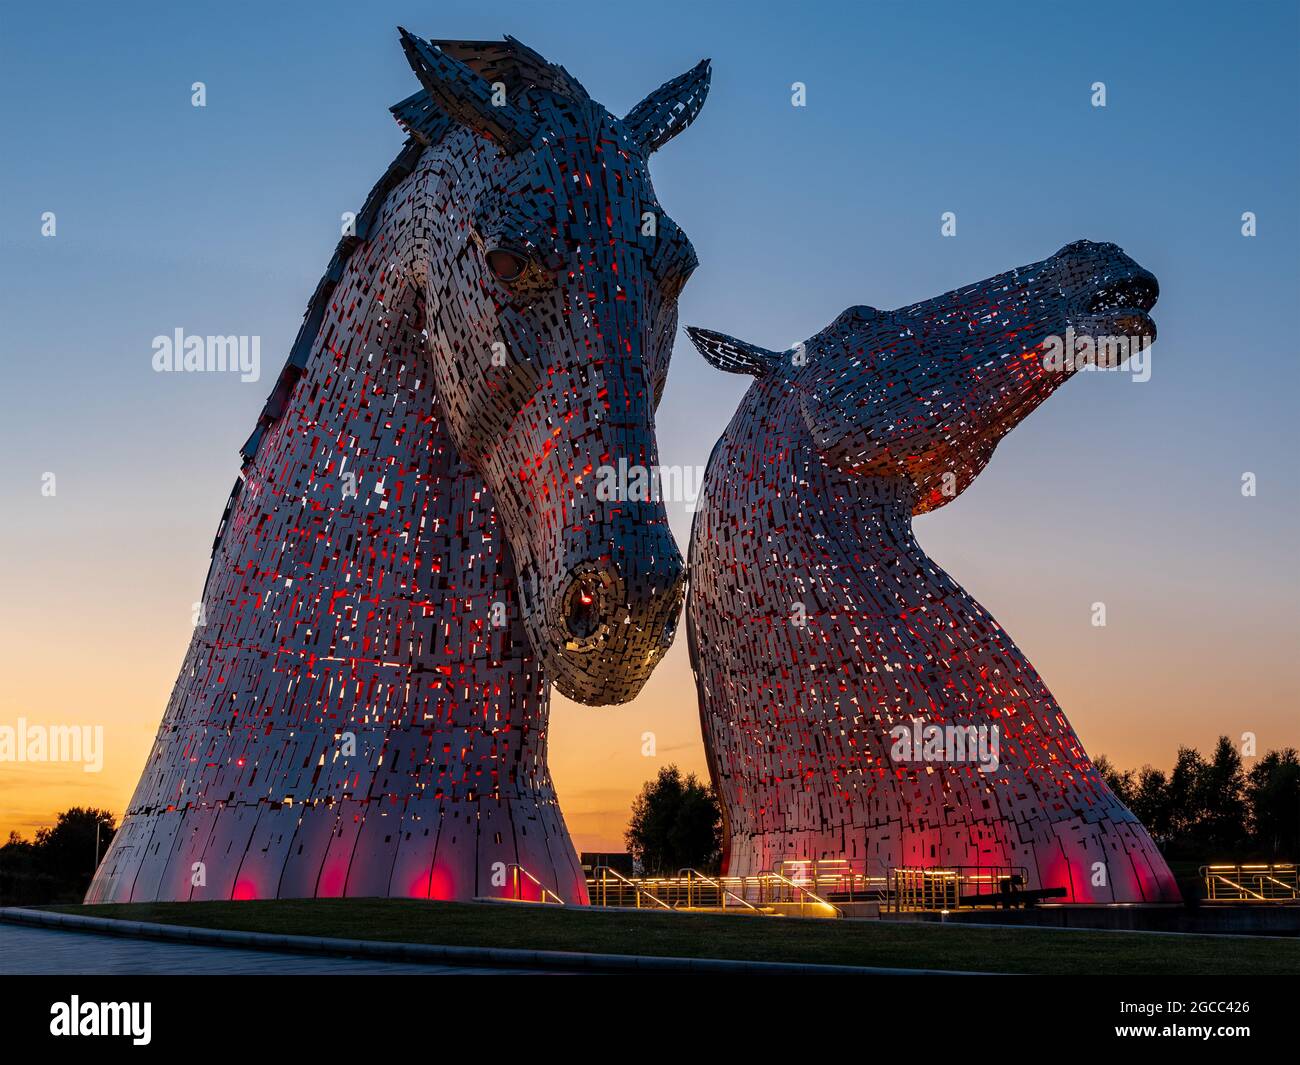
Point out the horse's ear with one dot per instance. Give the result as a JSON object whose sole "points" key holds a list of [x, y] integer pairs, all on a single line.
{"points": [[465, 96], [732, 355], [669, 109]]}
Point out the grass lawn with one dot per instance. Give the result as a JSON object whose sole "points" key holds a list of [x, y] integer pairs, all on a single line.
{"points": [[910, 945]]}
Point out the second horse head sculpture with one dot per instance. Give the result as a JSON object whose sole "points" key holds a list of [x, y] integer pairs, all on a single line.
{"points": [[857, 704]]}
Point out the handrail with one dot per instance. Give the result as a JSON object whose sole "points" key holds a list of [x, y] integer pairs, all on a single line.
{"points": [[690, 889], [804, 891], [516, 868], [836, 877], [637, 888], [920, 888], [1252, 883], [723, 890]]}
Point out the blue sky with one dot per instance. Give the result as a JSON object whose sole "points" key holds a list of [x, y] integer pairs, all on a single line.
{"points": [[221, 220], [223, 217]]}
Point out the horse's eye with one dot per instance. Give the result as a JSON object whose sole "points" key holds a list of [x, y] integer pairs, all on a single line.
{"points": [[505, 264]]}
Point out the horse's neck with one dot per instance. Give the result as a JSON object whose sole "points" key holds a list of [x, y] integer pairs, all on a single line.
{"points": [[769, 472], [362, 578], [839, 550], [821, 635]]}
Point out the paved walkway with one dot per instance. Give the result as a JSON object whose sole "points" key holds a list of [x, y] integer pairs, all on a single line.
{"points": [[50, 951]]}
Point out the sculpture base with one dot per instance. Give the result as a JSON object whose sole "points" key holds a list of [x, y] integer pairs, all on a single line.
{"points": [[1097, 862], [429, 850]]}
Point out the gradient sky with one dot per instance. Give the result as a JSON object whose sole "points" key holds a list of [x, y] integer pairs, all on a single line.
{"points": [[220, 220]]}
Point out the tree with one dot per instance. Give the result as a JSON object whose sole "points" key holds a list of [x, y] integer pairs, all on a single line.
{"points": [[1223, 802], [58, 864], [67, 851], [1151, 804], [1273, 797], [676, 824], [1215, 811], [1185, 795], [1122, 784], [21, 883]]}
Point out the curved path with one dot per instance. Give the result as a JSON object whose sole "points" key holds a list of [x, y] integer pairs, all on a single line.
{"points": [[45, 951]]}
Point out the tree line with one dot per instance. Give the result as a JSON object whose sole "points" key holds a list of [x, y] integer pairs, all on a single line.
{"points": [[1216, 810], [58, 864]]}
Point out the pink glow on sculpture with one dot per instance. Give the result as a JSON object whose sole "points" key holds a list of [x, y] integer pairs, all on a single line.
{"points": [[389, 603], [836, 663]]}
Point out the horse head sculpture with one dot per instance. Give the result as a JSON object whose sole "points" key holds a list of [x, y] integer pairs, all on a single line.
{"points": [[824, 639], [551, 314], [417, 546], [922, 395]]}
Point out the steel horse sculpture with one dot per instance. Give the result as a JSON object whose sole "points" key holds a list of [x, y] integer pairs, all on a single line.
{"points": [[835, 663], [413, 551]]}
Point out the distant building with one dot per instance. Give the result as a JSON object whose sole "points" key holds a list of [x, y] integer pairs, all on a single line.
{"points": [[620, 863]]}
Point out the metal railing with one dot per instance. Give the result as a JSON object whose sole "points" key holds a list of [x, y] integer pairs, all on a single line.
{"points": [[763, 893], [608, 887], [704, 891], [954, 888], [830, 888], [835, 880], [784, 893], [521, 878], [1251, 883]]}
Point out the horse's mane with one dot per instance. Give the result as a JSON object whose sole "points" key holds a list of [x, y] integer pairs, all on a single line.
{"points": [[510, 62]]}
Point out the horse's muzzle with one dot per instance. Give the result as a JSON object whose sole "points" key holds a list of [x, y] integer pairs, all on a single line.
{"points": [[615, 625]]}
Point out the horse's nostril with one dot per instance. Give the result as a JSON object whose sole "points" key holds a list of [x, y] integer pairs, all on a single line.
{"points": [[597, 609], [583, 606]]}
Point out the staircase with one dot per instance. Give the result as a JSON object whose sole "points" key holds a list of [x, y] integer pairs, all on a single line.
{"points": [[770, 894]]}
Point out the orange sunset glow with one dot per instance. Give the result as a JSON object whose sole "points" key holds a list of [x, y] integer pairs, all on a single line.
{"points": [[1135, 690]]}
